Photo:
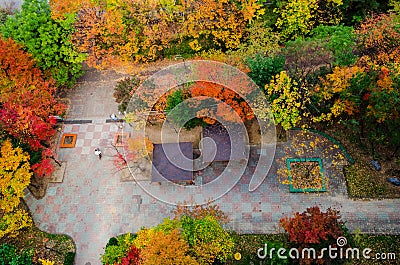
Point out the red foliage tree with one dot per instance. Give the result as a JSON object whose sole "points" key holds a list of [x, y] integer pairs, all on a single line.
{"points": [[313, 228], [27, 102]]}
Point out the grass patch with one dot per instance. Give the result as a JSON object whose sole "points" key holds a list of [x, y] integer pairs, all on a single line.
{"points": [[363, 181]]}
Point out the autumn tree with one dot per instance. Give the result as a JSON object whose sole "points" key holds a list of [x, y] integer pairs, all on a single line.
{"points": [[112, 32], [124, 90], [287, 100], [27, 104], [313, 228], [188, 115], [61, 9], [338, 94], [14, 178], [207, 239], [258, 39], [158, 247], [378, 38], [223, 21], [365, 96], [227, 96], [48, 41], [298, 17]]}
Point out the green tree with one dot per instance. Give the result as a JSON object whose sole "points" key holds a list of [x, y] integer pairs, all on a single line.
{"points": [[184, 113], [263, 69], [48, 41], [339, 40], [355, 11], [208, 240]]}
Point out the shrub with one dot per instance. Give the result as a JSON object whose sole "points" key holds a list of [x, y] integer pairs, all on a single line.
{"points": [[69, 258], [112, 242], [113, 254], [208, 240], [159, 247], [116, 253], [7, 252], [10, 256]]}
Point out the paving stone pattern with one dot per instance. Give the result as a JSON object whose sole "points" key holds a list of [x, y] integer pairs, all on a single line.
{"points": [[92, 204]]}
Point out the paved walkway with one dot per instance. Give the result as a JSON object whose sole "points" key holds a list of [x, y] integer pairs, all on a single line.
{"points": [[92, 204]]}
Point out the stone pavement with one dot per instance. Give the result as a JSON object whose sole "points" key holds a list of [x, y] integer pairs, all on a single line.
{"points": [[92, 204]]}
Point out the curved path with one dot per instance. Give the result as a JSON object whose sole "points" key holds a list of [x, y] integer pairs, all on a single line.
{"points": [[92, 204]]}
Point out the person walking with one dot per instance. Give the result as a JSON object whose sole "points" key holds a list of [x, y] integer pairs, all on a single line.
{"points": [[97, 152]]}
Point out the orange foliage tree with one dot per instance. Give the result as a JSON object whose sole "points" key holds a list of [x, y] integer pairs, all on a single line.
{"points": [[27, 102], [158, 247], [379, 38], [60, 8], [227, 96], [132, 30]]}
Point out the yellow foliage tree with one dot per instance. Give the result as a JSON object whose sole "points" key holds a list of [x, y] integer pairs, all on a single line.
{"points": [[286, 100], [295, 18], [299, 17], [14, 178]]}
